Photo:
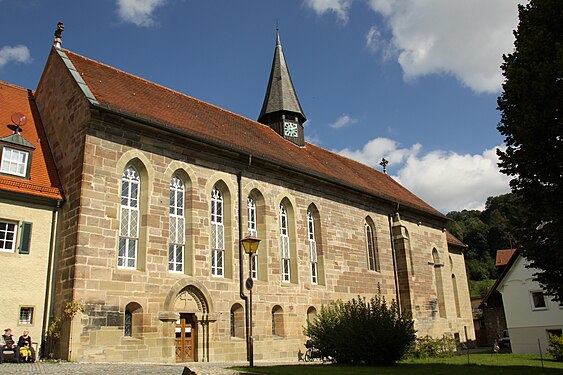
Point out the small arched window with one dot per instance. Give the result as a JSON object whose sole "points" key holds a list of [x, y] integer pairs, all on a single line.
{"points": [[133, 320], [237, 321], [129, 223], [277, 321], [177, 226], [217, 233]]}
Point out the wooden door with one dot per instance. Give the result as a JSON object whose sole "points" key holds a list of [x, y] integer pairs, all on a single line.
{"points": [[186, 338]]}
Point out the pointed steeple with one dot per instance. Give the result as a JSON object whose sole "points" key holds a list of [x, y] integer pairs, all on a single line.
{"points": [[281, 109]]}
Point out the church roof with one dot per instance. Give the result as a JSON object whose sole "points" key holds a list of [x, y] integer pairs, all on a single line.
{"points": [[126, 94], [43, 179], [454, 241], [280, 94]]}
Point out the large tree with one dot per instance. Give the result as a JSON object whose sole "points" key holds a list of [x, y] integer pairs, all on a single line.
{"points": [[532, 108]]}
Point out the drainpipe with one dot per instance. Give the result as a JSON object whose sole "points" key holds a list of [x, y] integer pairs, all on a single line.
{"points": [[241, 260], [395, 273], [49, 289]]}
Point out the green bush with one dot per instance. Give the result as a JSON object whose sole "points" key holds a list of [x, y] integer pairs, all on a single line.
{"points": [[358, 331], [428, 347], [556, 347]]}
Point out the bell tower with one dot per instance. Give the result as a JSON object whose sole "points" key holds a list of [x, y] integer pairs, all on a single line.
{"points": [[281, 109]]}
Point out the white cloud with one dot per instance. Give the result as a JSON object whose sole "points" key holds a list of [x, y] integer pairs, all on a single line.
{"points": [[465, 39], [378, 148], [138, 12], [343, 121], [340, 7], [18, 54], [445, 180]]}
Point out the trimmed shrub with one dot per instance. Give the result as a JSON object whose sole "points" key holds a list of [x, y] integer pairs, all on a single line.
{"points": [[556, 347], [359, 331], [428, 347]]}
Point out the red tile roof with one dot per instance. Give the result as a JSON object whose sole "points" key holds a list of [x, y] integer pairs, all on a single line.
{"points": [[124, 93], [503, 256], [43, 179], [453, 240]]}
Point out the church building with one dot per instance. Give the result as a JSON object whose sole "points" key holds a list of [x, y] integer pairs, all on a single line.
{"points": [[160, 188]]}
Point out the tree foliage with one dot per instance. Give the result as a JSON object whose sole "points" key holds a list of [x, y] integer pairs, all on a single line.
{"points": [[531, 106], [485, 232], [360, 331]]}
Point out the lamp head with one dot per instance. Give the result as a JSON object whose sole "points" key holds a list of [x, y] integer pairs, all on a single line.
{"points": [[250, 244]]}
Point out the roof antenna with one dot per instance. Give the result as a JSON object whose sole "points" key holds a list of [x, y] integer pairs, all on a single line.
{"points": [[59, 35]]}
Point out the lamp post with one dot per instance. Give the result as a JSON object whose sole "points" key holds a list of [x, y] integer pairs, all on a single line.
{"points": [[250, 245]]}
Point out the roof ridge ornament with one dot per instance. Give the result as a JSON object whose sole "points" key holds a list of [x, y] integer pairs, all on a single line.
{"points": [[59, 35]]}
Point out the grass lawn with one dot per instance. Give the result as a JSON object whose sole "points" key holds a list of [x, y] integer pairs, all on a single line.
{"points": [[479, 364]]}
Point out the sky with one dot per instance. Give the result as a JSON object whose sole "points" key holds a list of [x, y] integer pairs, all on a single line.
{"points": [[411, 81]]}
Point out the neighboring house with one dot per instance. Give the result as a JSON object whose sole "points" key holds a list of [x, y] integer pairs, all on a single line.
{"points": [[160, 188], [492, 322], [30, 194], [531, 315]]}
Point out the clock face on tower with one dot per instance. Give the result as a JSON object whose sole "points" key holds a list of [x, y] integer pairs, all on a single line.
{"points": [[290, 129]]}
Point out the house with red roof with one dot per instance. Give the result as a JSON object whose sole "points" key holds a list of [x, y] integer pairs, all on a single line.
{"points": [[160, 189], [30, 201]]}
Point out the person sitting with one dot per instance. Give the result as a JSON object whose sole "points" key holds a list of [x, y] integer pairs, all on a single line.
{"points": [[27, 354], [8, 343]]}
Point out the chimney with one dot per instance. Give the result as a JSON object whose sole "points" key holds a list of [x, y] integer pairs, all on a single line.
{"points": [[58, 35]]}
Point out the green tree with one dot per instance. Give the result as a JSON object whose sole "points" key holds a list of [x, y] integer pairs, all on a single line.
{"points": [[531, 107]]}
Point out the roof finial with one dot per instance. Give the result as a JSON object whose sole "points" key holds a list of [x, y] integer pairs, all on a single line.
{"points": [[59, 35], [384, 163], [278, 42]]}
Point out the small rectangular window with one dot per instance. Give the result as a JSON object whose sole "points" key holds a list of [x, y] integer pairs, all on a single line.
{"points": [[8, 235], [14, 162], [538, 301], [26, 316]]}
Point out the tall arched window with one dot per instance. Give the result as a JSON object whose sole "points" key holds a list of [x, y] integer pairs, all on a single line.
{"points": [[284, 244], [253, 231], [177, 226], [129, 225], [312, 247], [217, 233], [440, 301], [371, 245], [456, 296]]}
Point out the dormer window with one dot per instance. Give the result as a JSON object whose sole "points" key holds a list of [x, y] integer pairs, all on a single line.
{"points": [[14, 162]]}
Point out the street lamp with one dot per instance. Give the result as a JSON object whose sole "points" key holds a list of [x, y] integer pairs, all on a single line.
{"points": [[250, 245]]}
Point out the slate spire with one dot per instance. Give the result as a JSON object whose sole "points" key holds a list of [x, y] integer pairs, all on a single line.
{"points": [[281, 102]]}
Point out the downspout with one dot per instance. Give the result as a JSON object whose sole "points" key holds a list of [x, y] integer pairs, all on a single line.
{"points": [[395, 273], [241, 260], [49, 289]]}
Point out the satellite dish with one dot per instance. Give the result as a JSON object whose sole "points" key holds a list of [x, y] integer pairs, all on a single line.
{"points": [[19, 119]]}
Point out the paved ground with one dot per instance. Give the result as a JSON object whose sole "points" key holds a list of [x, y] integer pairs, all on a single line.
{"points": [[68, 368]]}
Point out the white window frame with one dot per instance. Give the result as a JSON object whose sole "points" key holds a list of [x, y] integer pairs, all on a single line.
{"points": [[217, 234], [253, 231], [130, 217], [177, 226], [30, 316], [312, 248], [534, 307], [284, 246], [12, 162], [5, 233]]}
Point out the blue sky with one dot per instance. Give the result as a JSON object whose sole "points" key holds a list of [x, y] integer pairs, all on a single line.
{"points": [[413, 81]]}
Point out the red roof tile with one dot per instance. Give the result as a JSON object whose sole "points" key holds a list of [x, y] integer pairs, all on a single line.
{"points": [[453, 240], [503, 256], [43, 179], [145, 100]]}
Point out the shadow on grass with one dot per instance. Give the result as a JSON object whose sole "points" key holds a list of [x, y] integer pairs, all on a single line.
{"points": [[401, 369]]}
